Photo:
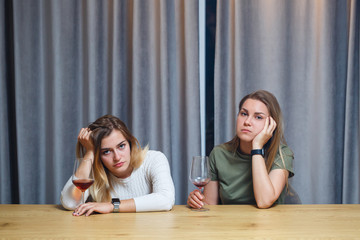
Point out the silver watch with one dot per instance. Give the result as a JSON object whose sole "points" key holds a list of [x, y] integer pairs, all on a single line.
{"points": [[116, 202]]}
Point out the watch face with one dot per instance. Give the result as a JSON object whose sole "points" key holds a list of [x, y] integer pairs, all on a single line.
{"points": [[116, 203]]}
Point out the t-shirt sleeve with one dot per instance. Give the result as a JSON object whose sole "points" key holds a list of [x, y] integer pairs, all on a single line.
{"points": [[284, 160], [212, 165]]}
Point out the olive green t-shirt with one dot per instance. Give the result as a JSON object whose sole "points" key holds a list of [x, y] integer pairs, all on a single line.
{"points": [[233, 171]]}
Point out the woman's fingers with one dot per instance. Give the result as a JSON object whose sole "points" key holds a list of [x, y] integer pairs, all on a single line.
{"points": [[272, 126], [91, 207], [269, 126], [84, 133], [263, 137], [195, 199], [85, 140], [83, 209], [89, 212]]}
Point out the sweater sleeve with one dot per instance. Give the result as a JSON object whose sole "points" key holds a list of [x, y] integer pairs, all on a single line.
{"points": [[70, 198], [157, 171]]}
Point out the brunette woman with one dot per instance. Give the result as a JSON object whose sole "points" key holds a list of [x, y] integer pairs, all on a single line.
{"points": [[254, 167]]}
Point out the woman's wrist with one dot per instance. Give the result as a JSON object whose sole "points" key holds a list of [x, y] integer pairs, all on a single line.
{"points": [[89, 155], [257, 146]]}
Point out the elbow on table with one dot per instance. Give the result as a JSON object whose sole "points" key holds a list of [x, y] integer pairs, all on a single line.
{"points": [[167, 206], [168, 203], [67, 206], [264, 204]]}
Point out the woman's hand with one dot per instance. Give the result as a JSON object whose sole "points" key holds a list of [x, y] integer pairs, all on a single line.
{"points": [[195, 199], [85, 139], [263, 137], [90, 207]]}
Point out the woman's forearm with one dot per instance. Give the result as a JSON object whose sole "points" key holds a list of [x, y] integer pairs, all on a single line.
{"points": [[265, 194]]}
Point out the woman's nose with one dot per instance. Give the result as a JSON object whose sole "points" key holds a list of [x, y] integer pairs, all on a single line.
{"points": [[117, 154], [247, 121]]}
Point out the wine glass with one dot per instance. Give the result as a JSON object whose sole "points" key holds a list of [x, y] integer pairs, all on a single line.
{"points": [[200, 175], [83, 176]]}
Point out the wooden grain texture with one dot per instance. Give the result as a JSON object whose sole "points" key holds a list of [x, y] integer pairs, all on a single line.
{"points": [[221, 222]]}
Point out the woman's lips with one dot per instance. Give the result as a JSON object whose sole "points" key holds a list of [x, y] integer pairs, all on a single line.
{"points": [[119, 164], [245, 130]]}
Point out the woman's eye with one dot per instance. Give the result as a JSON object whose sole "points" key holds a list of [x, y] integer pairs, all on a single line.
{"points": [[122, 146], [243, 114], [259, 117], [106, 152]]}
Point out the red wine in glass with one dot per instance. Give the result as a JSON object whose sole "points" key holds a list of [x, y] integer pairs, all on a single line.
{"points": [[83, 184], [200, 174], [201, 182], [83, 177]]}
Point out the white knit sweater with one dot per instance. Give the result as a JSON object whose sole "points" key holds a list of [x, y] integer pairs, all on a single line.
{"points": [[150, 185]]}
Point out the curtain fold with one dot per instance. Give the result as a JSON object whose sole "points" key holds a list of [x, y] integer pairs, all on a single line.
{"points": [[75, 61], [351, 176], [306, 53], [6, 175]]}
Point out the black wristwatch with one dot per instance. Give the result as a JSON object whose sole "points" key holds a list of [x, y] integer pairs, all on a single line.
{"points": [[258, 151], [116, 203]]}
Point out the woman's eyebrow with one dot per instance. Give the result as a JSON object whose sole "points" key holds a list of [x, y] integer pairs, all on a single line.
{"points": [[260, 113], [256, 113], [244, 109], [122, 142], [103, 149]]}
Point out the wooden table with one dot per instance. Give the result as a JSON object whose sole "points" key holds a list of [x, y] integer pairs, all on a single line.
{"points": [[221, 222]]}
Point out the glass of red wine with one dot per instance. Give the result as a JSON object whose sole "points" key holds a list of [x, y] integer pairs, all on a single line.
{"points": [[83, 176], [200, 174]]}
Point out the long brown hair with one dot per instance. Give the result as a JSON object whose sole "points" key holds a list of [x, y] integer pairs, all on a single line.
{"points": [[273, 145], [102, 127]]}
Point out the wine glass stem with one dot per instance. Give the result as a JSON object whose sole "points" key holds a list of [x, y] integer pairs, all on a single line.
{"points": [[82, 197], [201, 189]]}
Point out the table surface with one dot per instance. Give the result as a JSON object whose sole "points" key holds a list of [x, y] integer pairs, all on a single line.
{"points": [[340, 221]]}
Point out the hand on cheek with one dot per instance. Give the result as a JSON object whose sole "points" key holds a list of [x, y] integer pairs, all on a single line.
{"points": [[261, 139]]}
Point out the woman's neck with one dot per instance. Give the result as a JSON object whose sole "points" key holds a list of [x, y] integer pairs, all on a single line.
{"points": [[245, 147], [125, 174]]}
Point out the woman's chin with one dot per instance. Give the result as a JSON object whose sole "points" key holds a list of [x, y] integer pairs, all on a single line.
{"points": [[245, 137]]}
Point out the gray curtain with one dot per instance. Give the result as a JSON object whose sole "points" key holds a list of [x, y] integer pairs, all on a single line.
{"points": [[74, 61], [307, 54], [5, 185]]}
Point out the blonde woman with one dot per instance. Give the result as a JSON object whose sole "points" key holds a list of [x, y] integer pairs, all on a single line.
{"points": [[254, 167], [127, 177]]}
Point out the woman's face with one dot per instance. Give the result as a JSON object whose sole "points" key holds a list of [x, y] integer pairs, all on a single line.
{"points": [[115, 154], [251, 119]]}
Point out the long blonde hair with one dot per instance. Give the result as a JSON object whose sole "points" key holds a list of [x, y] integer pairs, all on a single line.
{"points": [[102, 127], [273, 145]]}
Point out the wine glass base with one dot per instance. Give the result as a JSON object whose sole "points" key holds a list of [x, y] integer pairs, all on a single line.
{"points": [[200, 209]]}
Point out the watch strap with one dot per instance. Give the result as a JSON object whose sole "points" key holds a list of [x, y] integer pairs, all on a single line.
{"points": [[258, 152]]}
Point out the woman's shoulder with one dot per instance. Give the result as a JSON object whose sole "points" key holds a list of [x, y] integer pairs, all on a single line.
{"points": [[153, 156], [284, 159], [220, 148], [286, 150], [220, 151], [154, 153]]}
